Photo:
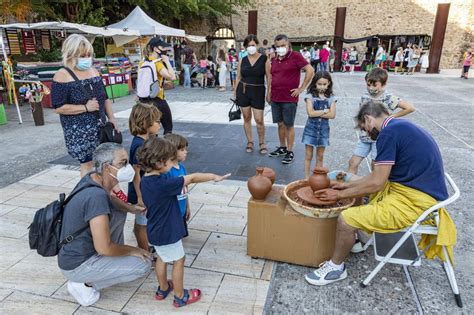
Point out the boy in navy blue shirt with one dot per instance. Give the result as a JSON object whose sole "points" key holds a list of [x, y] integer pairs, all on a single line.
{"points": [[177, 170], [144, 122], [165, 227]]}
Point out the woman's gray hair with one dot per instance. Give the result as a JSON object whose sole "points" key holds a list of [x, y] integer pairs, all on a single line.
{"points": [[105, 153]]}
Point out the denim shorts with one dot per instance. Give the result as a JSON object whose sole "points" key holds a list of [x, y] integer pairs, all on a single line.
{"points": [[316, 133], [284, 112], [140, 219], [363, 150]]}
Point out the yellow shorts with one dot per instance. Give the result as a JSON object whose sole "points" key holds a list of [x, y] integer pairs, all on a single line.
{"points": [[397, 207]]}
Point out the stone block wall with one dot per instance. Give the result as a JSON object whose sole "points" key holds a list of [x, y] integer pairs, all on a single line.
{"points": [[301, 18]]}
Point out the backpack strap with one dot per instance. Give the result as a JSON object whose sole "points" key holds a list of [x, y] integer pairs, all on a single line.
{"points": [[72, 236]]}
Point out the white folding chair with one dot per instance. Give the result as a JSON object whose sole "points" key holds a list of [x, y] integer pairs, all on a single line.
{"points": [[400, 248]]}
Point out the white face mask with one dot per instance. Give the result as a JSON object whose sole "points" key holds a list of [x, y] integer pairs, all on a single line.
{"points": [[281, 51], [124, 174], [251, 50]]}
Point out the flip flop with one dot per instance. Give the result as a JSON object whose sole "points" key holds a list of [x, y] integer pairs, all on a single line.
{"points": [[161, 295], [190, 296]]}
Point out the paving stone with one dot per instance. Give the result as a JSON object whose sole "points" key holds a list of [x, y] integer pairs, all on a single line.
{"points": [[12, 251], [241, 198], [6, 208], [26, 303], [112, 298], [13, 190], [44, 270], [220, 219], [4, 293], [238, 295], [212, 194], [193, 244], [15, 223], [143, 300], [36, 197], [227, 253], [52, 177]]}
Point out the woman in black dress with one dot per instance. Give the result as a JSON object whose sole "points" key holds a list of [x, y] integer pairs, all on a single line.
{"points": [[250, 91]]}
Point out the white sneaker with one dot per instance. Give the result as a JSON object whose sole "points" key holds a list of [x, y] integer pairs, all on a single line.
{"points": [[357, 247], [326, 274], [84, 295]]}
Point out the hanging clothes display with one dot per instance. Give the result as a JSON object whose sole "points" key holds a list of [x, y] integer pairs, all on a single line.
{"points": [[13, 42], [28, 38]]}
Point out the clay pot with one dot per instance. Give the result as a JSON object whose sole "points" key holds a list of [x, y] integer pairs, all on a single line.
{"points": [[270, 174], [259, 186], [319, 180]]}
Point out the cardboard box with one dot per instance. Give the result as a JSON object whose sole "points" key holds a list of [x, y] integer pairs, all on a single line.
{"points": [[275, 231]]}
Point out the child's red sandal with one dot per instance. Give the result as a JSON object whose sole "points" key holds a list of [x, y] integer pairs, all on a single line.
{"points": [[190, 296]]}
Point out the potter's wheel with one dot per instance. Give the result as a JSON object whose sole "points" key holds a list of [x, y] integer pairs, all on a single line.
{"points": [[321, 210], [307, 194]]}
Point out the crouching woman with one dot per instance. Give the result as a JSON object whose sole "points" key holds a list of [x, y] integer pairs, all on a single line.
{"points": [[96, 258]]}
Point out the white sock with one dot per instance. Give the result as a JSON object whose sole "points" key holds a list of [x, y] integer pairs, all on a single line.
{"points": [[335, 266]]}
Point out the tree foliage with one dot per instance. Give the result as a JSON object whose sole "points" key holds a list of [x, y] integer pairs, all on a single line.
{"points": [[178, 13]]}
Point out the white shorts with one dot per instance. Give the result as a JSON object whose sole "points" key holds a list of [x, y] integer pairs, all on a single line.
{"points": [[170, 252]]}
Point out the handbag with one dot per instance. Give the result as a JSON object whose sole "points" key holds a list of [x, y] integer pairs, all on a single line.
{"points": [[234, 114], [107, 131]]}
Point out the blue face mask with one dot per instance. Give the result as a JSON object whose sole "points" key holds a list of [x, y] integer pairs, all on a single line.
{"points": [[84, 63]]}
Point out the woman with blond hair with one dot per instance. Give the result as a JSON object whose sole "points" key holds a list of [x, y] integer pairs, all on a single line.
{"points": [[80, 113]]}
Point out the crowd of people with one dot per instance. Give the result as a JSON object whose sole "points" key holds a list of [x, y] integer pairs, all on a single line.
{"points": [[406, 174]]}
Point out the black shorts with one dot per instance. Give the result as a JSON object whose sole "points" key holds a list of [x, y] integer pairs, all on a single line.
{"points": [[254, 96], [397, 64], [352, 62], [466, 69], [284, 113]]}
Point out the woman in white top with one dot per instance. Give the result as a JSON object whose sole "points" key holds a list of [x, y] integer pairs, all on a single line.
{"points": [[222, 62], [398, 58]]}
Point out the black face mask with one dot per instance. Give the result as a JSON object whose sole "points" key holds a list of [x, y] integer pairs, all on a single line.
{"points": [[373, 134]]}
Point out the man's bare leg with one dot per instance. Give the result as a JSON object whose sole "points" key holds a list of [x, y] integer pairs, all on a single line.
{"points": [[345, 239]]}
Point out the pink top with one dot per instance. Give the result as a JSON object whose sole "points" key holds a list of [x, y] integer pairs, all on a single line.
{"points": [[467, 60], [324, 55]]}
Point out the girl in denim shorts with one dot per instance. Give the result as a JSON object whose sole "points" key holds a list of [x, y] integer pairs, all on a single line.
{"points": [[320, 106]]}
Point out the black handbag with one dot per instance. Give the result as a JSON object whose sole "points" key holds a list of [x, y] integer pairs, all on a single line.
{"points": [[234, 114], [107, 131]]}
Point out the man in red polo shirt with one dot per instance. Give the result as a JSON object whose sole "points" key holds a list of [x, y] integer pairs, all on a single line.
{"points": [[283, 91]]}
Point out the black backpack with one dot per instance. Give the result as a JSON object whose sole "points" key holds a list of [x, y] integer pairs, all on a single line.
{"points": [[45, 230]]}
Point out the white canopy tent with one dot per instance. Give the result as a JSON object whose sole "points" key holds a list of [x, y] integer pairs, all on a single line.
{"points": [[138, 20], [120, 36]]}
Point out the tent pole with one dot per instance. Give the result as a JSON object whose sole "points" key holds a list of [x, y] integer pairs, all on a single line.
{"points": [[107, 66]]}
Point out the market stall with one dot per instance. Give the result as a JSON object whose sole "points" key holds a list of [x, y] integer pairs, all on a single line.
{"points": [[33, 35]]}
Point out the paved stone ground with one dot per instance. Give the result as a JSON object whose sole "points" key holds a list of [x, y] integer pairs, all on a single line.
{"points": [[445, 108]]}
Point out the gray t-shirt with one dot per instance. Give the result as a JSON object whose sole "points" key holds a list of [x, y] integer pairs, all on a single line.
{"points": [[388, 100], [84, 206]]}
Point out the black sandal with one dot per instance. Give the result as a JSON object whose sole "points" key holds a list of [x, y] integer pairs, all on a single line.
{"points": [[263, 148], [249, 147]]}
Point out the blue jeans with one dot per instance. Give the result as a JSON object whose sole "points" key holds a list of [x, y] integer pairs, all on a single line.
{"points": [[323, 66], [187, 75]]}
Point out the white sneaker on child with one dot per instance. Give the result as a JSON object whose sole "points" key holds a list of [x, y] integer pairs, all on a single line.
{"points": [[83, 294]]}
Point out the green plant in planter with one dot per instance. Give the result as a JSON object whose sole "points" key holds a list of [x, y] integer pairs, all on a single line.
{"points": [[48, 55]]}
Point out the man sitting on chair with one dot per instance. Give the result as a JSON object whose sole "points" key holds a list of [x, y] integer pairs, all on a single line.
{"points": [[408, 178]]}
